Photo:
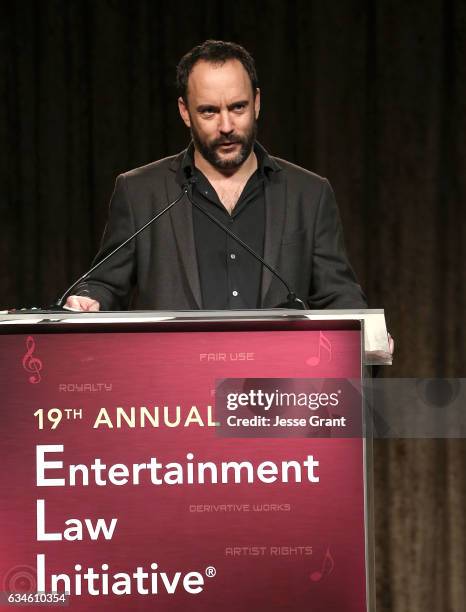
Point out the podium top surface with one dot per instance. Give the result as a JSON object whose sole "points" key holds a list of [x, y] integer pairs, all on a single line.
{"points": [[372, 321]]}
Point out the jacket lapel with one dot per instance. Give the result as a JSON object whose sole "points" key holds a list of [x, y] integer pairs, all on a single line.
{"points": [[182, 223], [275, 206]]}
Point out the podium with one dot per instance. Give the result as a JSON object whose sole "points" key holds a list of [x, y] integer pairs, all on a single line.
{"points": [[188, 460]]}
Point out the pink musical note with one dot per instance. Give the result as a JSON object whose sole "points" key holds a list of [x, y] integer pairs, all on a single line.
{"points": [[324, 345], [30, 363], [328, 565]]}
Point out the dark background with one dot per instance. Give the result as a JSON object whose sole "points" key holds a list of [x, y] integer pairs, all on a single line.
{"points": [[370, 94]]}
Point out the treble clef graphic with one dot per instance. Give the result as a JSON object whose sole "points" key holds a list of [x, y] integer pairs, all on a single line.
{"points": [[30, 363]]}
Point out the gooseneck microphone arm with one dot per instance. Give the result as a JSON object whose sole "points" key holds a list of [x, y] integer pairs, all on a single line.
{"points": [[292, 300], [59, 302]]}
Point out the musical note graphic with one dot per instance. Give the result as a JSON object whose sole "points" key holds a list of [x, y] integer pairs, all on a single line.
{"points": [[30, 363], [328, 565], [324, 346]]}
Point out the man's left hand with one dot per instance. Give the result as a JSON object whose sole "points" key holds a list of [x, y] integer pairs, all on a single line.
{"points": [[391, 344]]}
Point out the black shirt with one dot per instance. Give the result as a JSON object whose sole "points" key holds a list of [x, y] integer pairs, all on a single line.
{"points": [[230, 277]]}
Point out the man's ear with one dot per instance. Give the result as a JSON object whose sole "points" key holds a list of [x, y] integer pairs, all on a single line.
{"points": [[257, 103], [184, 111]]}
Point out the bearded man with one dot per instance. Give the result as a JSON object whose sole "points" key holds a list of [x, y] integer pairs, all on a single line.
{"points": [[184, 261]]}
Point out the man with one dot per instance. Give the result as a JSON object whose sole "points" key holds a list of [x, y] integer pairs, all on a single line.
{"points": [[288, 215]]}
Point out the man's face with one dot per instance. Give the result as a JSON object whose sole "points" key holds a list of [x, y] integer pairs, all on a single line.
{"points": [[221, 112]]}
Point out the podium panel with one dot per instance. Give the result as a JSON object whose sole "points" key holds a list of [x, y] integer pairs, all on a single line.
{"points": [[164, 466]]}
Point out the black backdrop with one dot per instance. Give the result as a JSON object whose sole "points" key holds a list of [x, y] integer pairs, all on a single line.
{"points": [[370, 94]]}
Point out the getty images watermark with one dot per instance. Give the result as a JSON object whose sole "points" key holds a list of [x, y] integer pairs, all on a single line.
{"points": [[329, 408]]}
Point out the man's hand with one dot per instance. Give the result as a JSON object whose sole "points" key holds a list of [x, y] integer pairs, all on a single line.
{"points": [[82, 303], [391, 344]]}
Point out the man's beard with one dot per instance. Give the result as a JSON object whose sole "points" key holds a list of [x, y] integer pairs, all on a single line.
{"points": [[209, 150]]}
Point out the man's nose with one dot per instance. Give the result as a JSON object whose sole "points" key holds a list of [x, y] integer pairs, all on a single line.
{"points": [[226, 125]]}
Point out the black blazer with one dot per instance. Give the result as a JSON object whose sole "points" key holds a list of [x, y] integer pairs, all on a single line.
{"points": [[159, 270]]}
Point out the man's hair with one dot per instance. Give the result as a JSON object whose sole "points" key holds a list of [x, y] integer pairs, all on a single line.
{"points": [[215, 52]]}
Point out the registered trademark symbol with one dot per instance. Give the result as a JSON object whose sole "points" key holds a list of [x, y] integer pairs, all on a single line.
{"points": [[210, 571]]}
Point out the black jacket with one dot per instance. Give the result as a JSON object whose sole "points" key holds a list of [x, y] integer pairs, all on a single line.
{"points": [[159, 270]]}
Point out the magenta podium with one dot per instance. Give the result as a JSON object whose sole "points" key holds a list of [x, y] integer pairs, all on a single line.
{"points": [[187, 461]]}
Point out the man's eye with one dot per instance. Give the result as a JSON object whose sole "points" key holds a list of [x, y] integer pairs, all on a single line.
{"points": [[239, 107], [207, 112]]}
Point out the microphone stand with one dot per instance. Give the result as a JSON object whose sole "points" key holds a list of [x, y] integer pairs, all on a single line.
{"points": [[58, 305], [292, 301]]}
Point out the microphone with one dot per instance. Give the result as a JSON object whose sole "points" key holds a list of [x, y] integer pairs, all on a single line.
{"points": [[58, 305], [292, 301]]}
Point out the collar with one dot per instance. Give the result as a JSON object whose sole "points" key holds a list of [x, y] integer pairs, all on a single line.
{"points": [[265, 163]]}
